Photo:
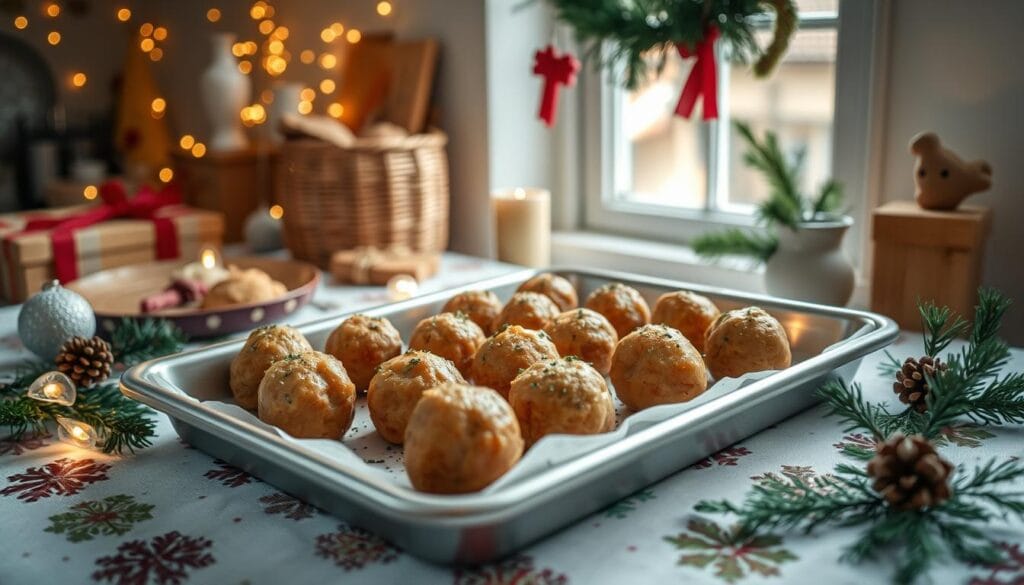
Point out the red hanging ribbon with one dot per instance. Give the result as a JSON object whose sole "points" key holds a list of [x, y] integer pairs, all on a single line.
{"points": [[556, 71], [703, 79], [116, 204]]}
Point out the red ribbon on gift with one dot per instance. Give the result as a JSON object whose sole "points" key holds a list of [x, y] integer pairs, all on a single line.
{"points": [[116, 204], [703, 79]]}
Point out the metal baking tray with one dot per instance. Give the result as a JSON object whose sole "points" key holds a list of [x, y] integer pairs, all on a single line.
{"points": [[475, 528]]}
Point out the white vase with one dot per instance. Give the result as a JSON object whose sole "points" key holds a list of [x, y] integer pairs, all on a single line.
{"points": [[810, 265], [225, 91], [286, 101]]}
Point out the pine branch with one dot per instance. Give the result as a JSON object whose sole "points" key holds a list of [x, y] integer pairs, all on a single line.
{"points": [[123, 422], [940, 327], [889, 366], [830, 197], [24, 375], [1001, 402], [848, 404], [988, 315], [736, 242], [136, 341]]}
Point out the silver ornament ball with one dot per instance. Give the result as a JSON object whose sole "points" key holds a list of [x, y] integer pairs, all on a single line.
{"points": [[263, 232], [53, 316]]}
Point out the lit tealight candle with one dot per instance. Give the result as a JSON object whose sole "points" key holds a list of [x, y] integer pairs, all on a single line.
{"points": [[401, 287], [523, 226], [53, 387], [77, 433], [209, 269]]}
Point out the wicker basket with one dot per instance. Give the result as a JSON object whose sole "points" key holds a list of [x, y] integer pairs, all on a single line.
{"points": [[381, 192]]}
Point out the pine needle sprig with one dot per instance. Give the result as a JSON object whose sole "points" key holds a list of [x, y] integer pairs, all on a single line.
{"points": [[889, 366], [24, 374], [135, 341], [940, 327], [735, 241]]}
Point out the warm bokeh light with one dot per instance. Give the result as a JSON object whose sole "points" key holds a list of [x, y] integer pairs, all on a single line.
{"points": [[166, 174], [281, 33], [213, 14], [186, 141], [307, 56], [254, 114], [156, 54], [198, 149], [79, 79], [327, 35], [305, 107], [146, 29], [258, 11], [90, 192], [160, 33], [335, 110], [307, 94], [384, 8], [276, 211], [124, 14], [245, 67], [337, 29], [159, 105], [328, 61], [267, 96], [250, 47], [147, 45], [53, 38], [327, 86], [267, 26], [53, 10], [275, 47], [353, 36], [276, 65], [20, 22], [238, 49]]}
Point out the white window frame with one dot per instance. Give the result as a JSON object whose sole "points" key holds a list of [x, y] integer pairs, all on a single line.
{"points": [[858, 60]]}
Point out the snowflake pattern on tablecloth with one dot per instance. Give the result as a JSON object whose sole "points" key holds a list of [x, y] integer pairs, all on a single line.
{"points": [[1008, 572], [626, 506], [113, 515], [165, 560], [728, 456], [792, 474], [857, 445], [292, 507], [354, 548], [229, 475], [27, 442], [963, 435], [63, 477], [517, 570], [733, 552]]}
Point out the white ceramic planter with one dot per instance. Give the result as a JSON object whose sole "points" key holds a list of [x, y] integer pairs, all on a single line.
{"points": [[225, 91], [810, 264]]}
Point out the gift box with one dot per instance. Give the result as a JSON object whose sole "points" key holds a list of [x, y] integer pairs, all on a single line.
{"points": [[72, 242], [368, 265]]}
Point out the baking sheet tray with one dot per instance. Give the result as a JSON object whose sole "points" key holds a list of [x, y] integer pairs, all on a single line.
{"points": [[560, 480]]}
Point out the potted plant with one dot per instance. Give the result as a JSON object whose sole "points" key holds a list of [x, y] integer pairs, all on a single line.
{"points": [[801, 249]]}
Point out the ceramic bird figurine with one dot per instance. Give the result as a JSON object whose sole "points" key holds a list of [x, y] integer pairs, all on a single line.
{"points": [[942, 178]]}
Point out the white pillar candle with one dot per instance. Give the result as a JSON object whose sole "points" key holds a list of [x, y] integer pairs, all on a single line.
{"points": [[523, 226]]}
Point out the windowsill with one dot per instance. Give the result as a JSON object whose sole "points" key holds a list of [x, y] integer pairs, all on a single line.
{"points": [[675, 261]]}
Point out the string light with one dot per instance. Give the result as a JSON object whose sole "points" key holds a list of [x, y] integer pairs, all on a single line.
{"points": [[335, 110], [146, 29], [276, 211], [53, 10], [20, 22], [79, 79], [337, 28], [213, 14], [327, 86], [307, 94], [276, 65], [186, 141], [328, 61], [267, 96], [401, 287], [146, 45], [54, 387], [209, 257], [327, 35], [305, 107], [90, 192], [77, 433], [156, 54], [250, 47], [384, 8], [267, 26], [159, 104], [253, 115], [307, 57], [166, 174], [275, 47], [160, 33], [238, 49], [124, 14], [353, 36], [53, 38], [198, 150], [245, 67], [258, 11], [281, 33]]}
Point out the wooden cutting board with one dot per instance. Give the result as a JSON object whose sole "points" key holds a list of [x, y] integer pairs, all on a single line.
{"points": [[365, 79], [412, 81]]}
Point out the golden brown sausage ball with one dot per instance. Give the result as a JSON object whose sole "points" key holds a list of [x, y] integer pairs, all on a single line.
{"points": [[527, 309], [451, 336], [555, 287], [265, 346], [622, 305], [561, 396], [746, 340], [396, 388], [502, 356], [362, 343], [688, 312], [308, 396], [460, 439], [657, 365], [585, 334], [481, 306]]}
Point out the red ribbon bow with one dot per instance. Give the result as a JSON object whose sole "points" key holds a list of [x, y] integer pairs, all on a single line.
{"points": [[703, 79], [116, 204], [556, 71]]}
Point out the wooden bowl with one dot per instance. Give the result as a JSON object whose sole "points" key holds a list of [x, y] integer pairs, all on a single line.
{"points": [[117, 293]]}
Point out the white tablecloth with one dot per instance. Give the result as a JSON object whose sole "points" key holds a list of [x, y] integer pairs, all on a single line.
{"points": [[171, 514]]}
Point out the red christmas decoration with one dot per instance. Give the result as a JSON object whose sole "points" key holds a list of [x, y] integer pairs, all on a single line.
{"points": [[703, 79], [556, 70]]}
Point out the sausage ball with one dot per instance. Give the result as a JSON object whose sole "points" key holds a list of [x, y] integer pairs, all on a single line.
{"points": [[622, 305], [460, 439], [657, 365], [688, 312], [362, 343], [481, 306], [746, 340], [451, 336], [502, 356], [308, 396], [561, 396], [585, 334], [265, 346], [554, 287], [527, 309], [396, 388]]}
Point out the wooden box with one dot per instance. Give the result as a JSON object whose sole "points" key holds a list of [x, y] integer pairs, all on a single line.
{"points": [[233, 183], [927, 255]]}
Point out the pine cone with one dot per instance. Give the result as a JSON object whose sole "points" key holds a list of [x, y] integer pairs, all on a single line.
{"points": [[85, 361], [911, 384], [909, 474]]}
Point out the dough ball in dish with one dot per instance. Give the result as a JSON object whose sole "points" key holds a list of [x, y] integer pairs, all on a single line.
{"points": [[657, 365], [265, 346], [688, 312], [308, 396], [561, 396], [746, 340], [555, 287], [481, 306], [460, 439], [397, 386], [585, 334], [527, 309], [622, 305], [502, 356], [452, 336], [362, 343]]}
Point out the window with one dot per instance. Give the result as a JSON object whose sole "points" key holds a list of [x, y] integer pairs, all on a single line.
{"points": [[663, 176]]}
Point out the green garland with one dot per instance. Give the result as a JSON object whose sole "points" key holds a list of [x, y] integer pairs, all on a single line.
{"points": [[120, 421]]}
